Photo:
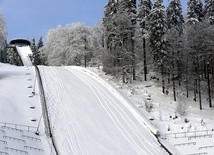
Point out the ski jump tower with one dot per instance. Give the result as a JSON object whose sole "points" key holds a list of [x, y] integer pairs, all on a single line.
{"points": [[22, 46]]}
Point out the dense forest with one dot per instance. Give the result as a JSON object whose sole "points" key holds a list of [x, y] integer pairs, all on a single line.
{"points": [[145, 38]]}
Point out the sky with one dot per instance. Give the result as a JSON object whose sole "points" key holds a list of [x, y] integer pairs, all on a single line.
{"points": [[33, 18]]}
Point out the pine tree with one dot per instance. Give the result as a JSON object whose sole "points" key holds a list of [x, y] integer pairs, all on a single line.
{"points": [[157, 30], [175, 24], [174, 15], [209, 11], [109, 60], [39, 46], [119, 23], [145, 7], [194, 11], [132, 12], [34, 51]]}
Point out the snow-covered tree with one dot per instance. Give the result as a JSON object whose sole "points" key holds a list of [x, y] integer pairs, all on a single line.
{"points": [[157, 30], [39, 48], [199, 9], [173, 58], [209, 10], [119, 24], [35, 56], [78, 44], [69, 45], [3, 36], [174, 15], [145, 7], [98, 43], [194, 11], [200, 48], [3, 30]]}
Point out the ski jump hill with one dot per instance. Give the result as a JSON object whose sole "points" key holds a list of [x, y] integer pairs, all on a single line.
{"points": [[87, 115]]}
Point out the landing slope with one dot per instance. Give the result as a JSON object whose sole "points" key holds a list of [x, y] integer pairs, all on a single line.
{"points": [[90, 117]]}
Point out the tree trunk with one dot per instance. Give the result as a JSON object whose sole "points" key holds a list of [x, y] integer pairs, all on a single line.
{"points": [[187, 81], [195, 90], [208, 83], [168, 76], [179, 69], [212, 70], [174, 92], [144, 59], [123, 74], [199, 84], [85, 60], [133, 56], [162, 74], [205, 69], [199, 89]]}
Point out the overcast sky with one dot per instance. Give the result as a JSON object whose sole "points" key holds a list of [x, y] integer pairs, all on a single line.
{"points": [[33, 18]]}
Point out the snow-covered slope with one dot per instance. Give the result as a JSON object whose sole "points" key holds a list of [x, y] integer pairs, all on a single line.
{"points": [[190, 133], [20, 113], [24, 52], [90, 117]]}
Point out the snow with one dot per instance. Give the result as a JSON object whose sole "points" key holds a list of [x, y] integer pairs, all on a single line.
{"points": [[193, 131], [94, 113], [15, 111], [90, 117], [25, 52], [19, 107]]}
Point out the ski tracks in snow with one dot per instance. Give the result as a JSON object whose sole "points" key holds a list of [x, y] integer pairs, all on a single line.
{"points": [[71, 130], [72, 143], [116, 112]]}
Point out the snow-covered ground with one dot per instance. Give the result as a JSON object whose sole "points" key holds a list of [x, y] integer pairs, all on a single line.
{"points": [[191, 133], [90, 117], [20, 113]]}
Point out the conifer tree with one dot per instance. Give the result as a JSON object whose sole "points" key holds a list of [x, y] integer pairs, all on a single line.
{"points": [[175, 24], [109, 60], [209, 11], [119, 23], [157, 30], [194, 11], [34, 51], [132, 13], [174, 15], [39, 46], [145, 7]]}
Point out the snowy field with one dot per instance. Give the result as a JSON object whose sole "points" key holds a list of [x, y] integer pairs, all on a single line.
{"points": [[90, 117]]}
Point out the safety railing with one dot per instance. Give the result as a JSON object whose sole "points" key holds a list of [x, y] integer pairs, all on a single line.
{"points": [[191, 134], [18, 127]]}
